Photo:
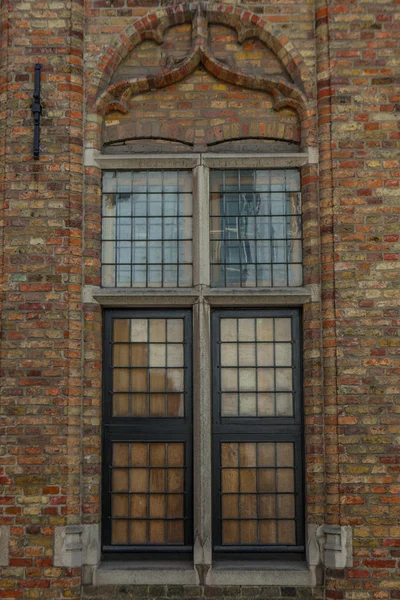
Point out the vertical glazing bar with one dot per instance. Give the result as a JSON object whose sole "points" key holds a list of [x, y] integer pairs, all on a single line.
{"points": [[201, 224]]}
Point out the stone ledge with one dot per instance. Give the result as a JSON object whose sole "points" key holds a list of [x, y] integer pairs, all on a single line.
{"points": [[142, 297], [258, 296], [273, 574], [227, 574], [188, 296], [136, 573]]}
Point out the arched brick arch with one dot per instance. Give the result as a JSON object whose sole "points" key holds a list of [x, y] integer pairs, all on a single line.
{"points": [[296, 94]]}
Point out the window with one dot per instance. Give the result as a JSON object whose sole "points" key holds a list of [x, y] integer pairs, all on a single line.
{"points": [[147, 494], [218, 243], [256, 431]]}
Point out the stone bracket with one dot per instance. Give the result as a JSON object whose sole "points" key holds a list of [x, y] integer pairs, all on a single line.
{"points": [[68, 546], [76, 545], [335, 546], [4, 545]]}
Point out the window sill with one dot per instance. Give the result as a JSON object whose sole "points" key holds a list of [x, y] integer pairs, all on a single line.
{"points": [[181, 297], [141, 573], [262, 573], [226, 573]]}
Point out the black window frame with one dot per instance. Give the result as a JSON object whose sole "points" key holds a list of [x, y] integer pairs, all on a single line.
{"points": [[258, 429], [146, 429]]}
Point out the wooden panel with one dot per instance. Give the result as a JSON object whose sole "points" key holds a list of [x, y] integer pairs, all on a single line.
{"points": [[138, 532], [268, 532], [248, 455], [157, 330], [157, 405], [120, 405], [139, 405], [121, 330], [230, 532], [248, 480], [175, 532], [120, 505], [120, 532], [121, 356], [264, 510], [120, 480], [175, 506], [138, 480], [267, 506], [138, 355], [153, 493], [175, 406], [230, 506], [139, 506], [230, 480], [249, 532], [286, 532]]}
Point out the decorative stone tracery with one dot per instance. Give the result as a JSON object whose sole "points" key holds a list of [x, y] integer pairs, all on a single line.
{"points": [[291, 90]]}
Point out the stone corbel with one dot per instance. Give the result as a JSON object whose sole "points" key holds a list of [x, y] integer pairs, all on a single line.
{"points": [[77, 545], [68, 546], [330, 545]]}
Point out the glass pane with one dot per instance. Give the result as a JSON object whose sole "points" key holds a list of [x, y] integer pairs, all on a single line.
{"points": [[144, 215], [257, 493], [147, 494], [256, 367], [148, 368], [255, 228]]}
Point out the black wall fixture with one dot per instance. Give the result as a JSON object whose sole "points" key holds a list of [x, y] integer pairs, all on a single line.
{"points": [[37, 111]]}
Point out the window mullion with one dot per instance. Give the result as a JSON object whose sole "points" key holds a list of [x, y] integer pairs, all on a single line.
{"points": [[201, 243], [202, 435]]}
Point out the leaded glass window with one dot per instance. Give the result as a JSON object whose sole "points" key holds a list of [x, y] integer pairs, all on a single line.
{"points": [[255, 228], [147, 229]]}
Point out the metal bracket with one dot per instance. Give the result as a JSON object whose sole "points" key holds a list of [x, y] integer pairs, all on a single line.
{"points": [[36, 111]]}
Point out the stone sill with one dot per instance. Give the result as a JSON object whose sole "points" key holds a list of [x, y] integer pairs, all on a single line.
{"points": [[93, 158], [180, 297], [141, 573], [274, 573], [277, 573]]}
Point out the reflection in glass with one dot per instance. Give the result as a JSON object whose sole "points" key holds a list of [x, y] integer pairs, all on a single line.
{"points": [[255, 228]]}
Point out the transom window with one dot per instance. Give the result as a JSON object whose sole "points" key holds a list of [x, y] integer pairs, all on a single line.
{"points": [[147, 229], [254, 228]]}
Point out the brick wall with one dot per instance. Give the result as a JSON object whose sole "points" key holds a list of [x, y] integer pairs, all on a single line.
{"points": [[50, 241], [363, 40], [41, 316]]}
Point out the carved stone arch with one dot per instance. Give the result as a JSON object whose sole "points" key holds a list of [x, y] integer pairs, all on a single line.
{"points": [[295, 93]]}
